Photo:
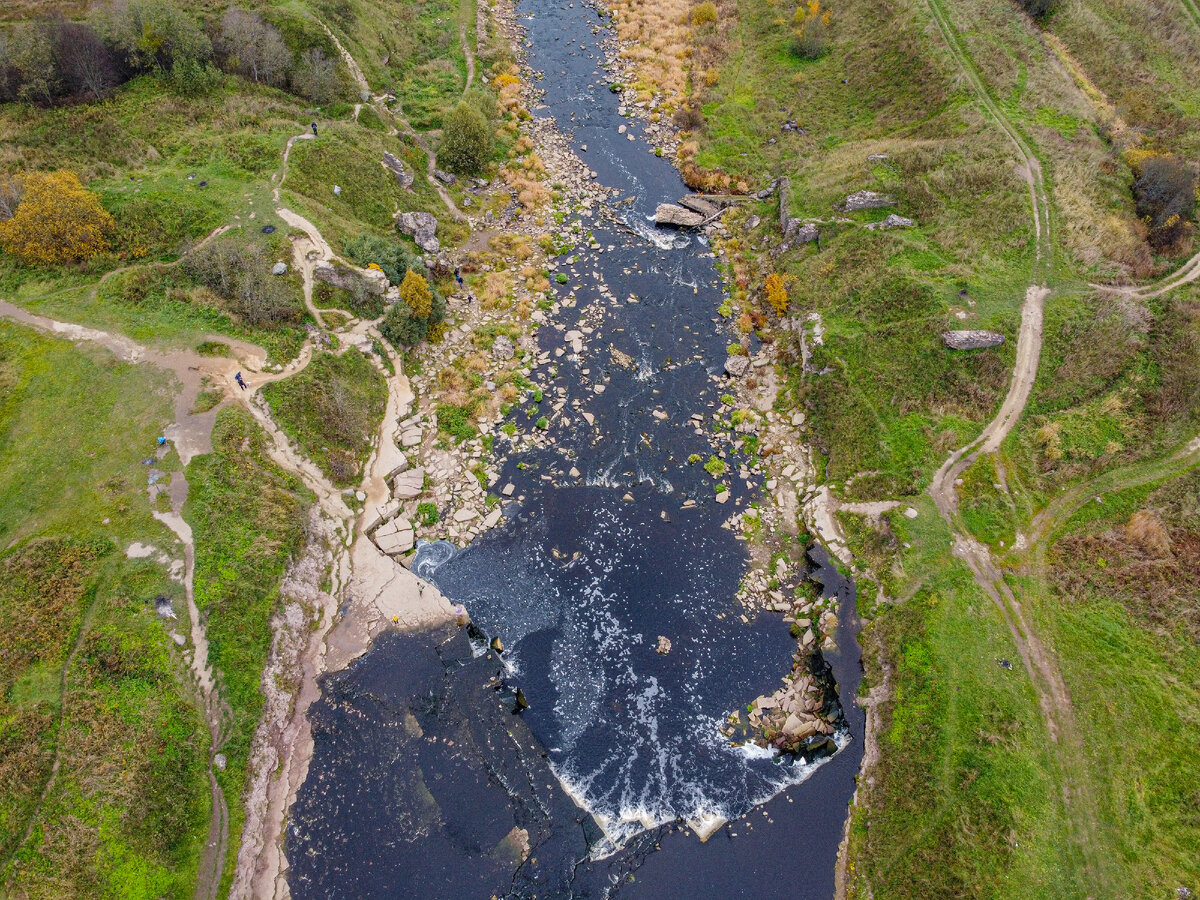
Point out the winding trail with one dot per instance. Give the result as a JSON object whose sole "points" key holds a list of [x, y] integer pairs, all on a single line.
{"points": [[1062, 507], [1039, 661], [380, 107]]}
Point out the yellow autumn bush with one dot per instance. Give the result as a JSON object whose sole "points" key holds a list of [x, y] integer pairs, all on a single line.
{"points": [[58, 221]]}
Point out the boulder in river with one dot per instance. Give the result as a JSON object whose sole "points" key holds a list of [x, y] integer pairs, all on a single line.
{"points": [[971, 340], [422, 227], [737, 366], [676, 216], [701, 205], [867, 200]]}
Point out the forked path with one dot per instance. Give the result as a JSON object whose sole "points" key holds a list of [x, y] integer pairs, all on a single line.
{"points": [[1039, 662]]}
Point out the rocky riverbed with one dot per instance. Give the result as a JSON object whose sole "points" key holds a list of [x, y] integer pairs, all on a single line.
{"points": [[617, 622]]}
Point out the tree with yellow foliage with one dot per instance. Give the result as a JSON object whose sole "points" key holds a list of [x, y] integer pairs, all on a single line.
{"points": [[777, 296], [813, 24], [58, 221], [414, 291]]}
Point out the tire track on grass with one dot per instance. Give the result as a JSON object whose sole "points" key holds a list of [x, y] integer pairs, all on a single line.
{"points": [[1039, 662]]}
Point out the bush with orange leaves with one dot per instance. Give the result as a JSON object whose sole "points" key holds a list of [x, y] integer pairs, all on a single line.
{"points": [[58, 221], [813, 25], [777, 296]]}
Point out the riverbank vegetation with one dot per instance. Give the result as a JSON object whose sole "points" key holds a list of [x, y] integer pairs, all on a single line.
{"points": [[967, 796]]}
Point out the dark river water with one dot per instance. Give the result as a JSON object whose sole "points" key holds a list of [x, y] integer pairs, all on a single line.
{"points": [[425, 780]]}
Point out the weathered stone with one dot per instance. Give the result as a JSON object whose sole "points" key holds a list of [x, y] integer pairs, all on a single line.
{"points": [[971, 340], [698, 204], [466, 514], [893, 221], [422, 228], [492, 518], [675, 216], [737, 366], [279, 269], [866, 200], [508, 490], [503, 349], [876, 158], [398, 169], [409, 484], [410, 438], [664, 645], [753, 222], [444, 177], [805, 234], [342, 277]]}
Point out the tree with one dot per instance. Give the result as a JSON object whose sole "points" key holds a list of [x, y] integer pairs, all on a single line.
{"points": [[253, 48], [315, 77], [31, 54], [57, 221], [414, 290], [85, 66], [777, 295], [11, 191], [153, 35], [467, 140], [813, 25]]}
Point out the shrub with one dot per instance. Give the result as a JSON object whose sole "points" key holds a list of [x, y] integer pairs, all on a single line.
{"points": [[467, 140], [777, 296], [153, 35], [57, 221], [241, 277], [1038, 9], [392, 258], [402, 327], [1165, 193], [704, 14], [813, 25], [715, 466], [414, 290]]}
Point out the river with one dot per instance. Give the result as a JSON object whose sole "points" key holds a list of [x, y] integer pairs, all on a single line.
{"points": [[425, 780]]}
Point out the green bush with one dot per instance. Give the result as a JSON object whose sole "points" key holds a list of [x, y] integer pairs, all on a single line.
{"points": [[467, 140], [427, 513]]}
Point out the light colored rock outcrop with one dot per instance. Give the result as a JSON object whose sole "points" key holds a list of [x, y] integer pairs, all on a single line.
{"points": [[971, 340], [675, 216]]}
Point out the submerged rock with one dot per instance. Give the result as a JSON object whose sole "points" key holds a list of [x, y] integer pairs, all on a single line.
{"points": [[664, 645]]}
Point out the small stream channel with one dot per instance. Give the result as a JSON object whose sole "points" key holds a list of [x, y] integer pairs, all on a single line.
{"points": [[425, 782]]}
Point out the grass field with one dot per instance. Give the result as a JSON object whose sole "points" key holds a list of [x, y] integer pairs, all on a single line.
{"points": [[89, 675], [248, 520], [332, 410]]}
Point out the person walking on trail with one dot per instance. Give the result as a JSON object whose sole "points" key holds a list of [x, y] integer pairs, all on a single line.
{"points": [[240, 380], [314, 126], [458, 278]]}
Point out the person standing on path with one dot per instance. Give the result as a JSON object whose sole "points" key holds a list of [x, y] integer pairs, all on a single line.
{"points": [[314, 127], [241, 381]]}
